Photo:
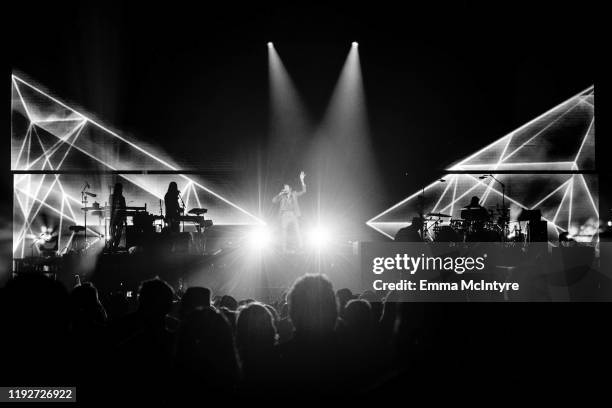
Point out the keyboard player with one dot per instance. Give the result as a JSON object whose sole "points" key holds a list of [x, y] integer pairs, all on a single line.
{"points": [[117, 216]]}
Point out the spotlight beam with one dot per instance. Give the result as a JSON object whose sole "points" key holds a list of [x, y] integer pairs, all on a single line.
{"points": [[289, 115], [342, 155]]}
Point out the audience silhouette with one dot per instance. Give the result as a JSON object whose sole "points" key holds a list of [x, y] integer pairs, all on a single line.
{"points": [[311, 342]]}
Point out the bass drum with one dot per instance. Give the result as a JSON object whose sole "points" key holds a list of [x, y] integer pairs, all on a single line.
{"points": [[460, 227], [485, 235], [447, 234]]}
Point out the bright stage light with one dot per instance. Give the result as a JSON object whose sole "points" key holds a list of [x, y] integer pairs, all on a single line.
{"points": [[259, 238], [355, 44], [270, 45], [319, 237], [609, 223]]}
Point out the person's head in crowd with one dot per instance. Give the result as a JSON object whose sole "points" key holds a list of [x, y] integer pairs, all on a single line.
{"points": [[194, 298], [343, 295], [358, 315], [245, 302], [86, 305], [375, 301], [370, 296], [228, 302], [312, 305], [155, 299], [255, 328], [205, 349]]}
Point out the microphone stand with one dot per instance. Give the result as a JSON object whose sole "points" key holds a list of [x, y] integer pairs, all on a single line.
{"points": [[84, 203], [421, 203], [182, 202]]}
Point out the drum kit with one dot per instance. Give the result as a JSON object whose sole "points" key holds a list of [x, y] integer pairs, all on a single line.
{"points": [[475, 225]]}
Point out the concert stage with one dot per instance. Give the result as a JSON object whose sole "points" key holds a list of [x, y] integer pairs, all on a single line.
{"points": [[94, 202], [230, 265]]}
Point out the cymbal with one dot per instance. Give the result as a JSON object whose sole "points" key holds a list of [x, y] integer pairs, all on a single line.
{"points": [[197, 211], [438, 215]]}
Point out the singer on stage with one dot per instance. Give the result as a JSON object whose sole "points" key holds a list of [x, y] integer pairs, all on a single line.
{"points": [[290, 212], [174, 209]]}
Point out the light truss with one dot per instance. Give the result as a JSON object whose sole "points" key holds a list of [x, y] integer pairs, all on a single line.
{"points": [[49, 135], [561, 139]]}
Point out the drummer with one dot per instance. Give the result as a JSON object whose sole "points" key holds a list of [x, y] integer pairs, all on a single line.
{"points": [[474, 204], [478, 216], [476, 211]]}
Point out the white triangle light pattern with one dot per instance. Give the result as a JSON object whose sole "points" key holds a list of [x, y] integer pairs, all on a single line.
{"points": [[562, 139], [47, 134]]}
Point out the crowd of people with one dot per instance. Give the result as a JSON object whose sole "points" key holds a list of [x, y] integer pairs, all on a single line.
{"points": [[312, 342]]}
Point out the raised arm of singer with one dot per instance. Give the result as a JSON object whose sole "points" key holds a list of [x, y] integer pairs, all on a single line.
{"points": [[303, 190]]}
